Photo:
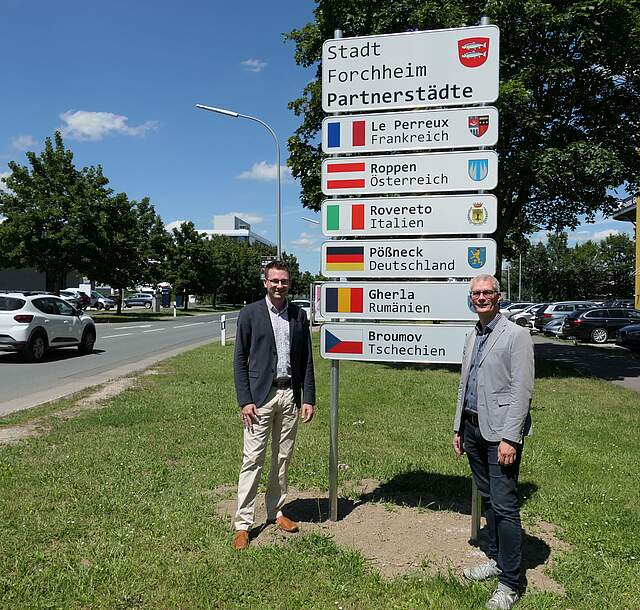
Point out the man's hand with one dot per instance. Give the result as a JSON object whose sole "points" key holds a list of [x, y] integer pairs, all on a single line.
{"points": [[249, 416], [458, 444], [307, 413], [506, 454]]}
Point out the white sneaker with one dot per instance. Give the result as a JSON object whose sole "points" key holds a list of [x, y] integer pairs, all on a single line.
{"points": [[503, 598], [483, 571]]}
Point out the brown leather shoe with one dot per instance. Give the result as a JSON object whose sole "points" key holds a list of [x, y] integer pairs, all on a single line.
{"points": [[240, 540], [286, 525]]}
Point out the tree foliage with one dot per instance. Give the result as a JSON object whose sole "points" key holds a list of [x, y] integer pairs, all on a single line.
{"points": [[569, 100], [553, 271]]}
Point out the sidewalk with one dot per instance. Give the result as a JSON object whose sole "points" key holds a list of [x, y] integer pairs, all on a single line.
{"points": [[606, 362]]}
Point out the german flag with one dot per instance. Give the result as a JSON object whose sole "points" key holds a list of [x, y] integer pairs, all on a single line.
{"points": [[344, 300], [345, 258]]}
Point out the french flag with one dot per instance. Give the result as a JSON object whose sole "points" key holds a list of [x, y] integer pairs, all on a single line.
{"points": [[339, 133]]}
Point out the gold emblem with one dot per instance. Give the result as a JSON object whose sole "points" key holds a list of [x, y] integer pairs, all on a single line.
{"points": [[477, 214]]}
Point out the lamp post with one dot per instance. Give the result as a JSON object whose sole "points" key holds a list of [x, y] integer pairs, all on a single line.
{"points": [[236, 115]]}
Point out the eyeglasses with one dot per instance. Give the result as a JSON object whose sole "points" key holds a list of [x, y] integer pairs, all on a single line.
{"points": [[484, 293], [283, 282]]}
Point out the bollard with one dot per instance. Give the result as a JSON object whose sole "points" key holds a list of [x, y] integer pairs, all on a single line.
{"points": [[175, 313], [223, 330]]}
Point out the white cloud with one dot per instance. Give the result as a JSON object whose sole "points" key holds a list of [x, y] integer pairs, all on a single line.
{"points": [[84, 125], [174, 225], [3, 186], [22, 143], [250, 217], [306, 241], [266, 172], [254, 65]]}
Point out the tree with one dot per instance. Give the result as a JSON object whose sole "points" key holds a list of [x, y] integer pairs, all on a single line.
{"points": [[47, 223], [569, 100], [617, 253]]}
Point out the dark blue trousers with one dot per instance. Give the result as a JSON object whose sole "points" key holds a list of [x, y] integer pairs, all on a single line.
{"points": [[498, 487]]}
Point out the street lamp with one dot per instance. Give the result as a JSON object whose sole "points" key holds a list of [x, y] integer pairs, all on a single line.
{"points": [[236, 115]]}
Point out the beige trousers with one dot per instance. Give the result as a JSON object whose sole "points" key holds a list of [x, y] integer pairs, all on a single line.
{"points": [[279, 416]]}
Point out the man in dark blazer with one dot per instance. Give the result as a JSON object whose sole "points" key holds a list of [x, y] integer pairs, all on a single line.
{"points": [[275, 386], [492, 417]]}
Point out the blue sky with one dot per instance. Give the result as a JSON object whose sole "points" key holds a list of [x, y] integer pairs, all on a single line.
{"points": [[121, 78]]}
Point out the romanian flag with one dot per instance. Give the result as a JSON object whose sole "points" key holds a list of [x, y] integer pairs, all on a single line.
{"points": [[346, 216], [343, 300], [349, 342], [345, 133], [345, 258]]}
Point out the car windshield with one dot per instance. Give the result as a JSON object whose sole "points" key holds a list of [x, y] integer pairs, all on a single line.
{"points": [[11, 303]]}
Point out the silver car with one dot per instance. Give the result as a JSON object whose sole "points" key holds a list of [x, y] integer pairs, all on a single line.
{"points": [[560, 309]]}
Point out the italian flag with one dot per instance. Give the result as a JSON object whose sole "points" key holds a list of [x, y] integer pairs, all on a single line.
{"points": [[345, 216]]}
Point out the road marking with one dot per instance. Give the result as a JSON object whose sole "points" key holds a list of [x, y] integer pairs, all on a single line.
{"points": [[153, 330], [185, 325], [120, 335], [128, 327]]}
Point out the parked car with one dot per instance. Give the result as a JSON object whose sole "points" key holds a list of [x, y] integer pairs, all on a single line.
{"points": [[303, 304], [559, 309], [509, 310], [629, 337], [32, 324], [626, 303], [83, 298], [143, 299], [99, 301], [70, 298], [554, 328], [599, 324], [526, 316]]}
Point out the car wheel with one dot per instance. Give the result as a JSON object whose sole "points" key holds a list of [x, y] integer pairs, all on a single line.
{"points": [[36, 347], [88, 341], [599, 335], [521, 322], [99, 306], [147, 305]]}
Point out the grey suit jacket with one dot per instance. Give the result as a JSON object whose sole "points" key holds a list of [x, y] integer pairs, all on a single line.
{"points": [[505, 383], [255, 357]]}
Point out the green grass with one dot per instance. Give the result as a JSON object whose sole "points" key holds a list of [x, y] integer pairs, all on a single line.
{"points": [[141, 314], [116, 509]]}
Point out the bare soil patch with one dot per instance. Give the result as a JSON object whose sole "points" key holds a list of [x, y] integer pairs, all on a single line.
{"points": [[41, 425], [399, 539]]}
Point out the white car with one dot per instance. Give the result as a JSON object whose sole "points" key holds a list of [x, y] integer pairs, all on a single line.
{"points": [[33, 323], [303, 304], [513, 308]]}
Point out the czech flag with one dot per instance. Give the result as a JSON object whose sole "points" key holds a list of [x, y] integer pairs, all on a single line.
{"points": [[344, 300], [345, 216], [344, 258], [343, 133], [349, 342]]}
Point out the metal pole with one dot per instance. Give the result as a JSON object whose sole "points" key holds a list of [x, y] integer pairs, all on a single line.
{"points": [[509, 281], [333, 422], [637, 282], [520, 279]]}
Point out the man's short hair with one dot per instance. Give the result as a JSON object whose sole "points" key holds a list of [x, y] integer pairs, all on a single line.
{"points": [[485, 276], [279, 265]]}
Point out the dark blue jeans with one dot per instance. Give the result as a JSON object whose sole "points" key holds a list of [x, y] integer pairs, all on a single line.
{"points": [[498, 487]]}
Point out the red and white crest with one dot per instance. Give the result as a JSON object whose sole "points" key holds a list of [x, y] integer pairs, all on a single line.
{"points": [[473, 52], [478, 125]]}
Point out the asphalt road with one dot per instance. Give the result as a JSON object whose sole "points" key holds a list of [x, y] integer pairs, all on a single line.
{"points": [[120, 349]]}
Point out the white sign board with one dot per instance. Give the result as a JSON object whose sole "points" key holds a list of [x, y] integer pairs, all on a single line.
{"points": [[435, 215], [418, 258], [397, 301], [421, 173], [453, 67], [419, 130], [437, 343]]}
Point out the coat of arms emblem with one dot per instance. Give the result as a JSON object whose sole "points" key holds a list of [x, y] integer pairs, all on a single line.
{"points": [[473, 52]]}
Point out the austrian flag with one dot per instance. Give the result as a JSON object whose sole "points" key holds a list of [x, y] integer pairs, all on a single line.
{"points": [[337, 179]]}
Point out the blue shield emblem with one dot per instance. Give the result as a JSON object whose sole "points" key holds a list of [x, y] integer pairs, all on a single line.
{"points": [[476, 257], [478, 169]]}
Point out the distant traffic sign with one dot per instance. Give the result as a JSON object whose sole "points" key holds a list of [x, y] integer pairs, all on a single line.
{"points": [[396, 301], [419, 130], [419, 258], [421, 173], [453, 67], [394, 342], [434, 215]]}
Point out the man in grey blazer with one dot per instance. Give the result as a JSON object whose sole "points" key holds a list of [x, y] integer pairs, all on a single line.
{"points": [[273, 372], [492, 417]]}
